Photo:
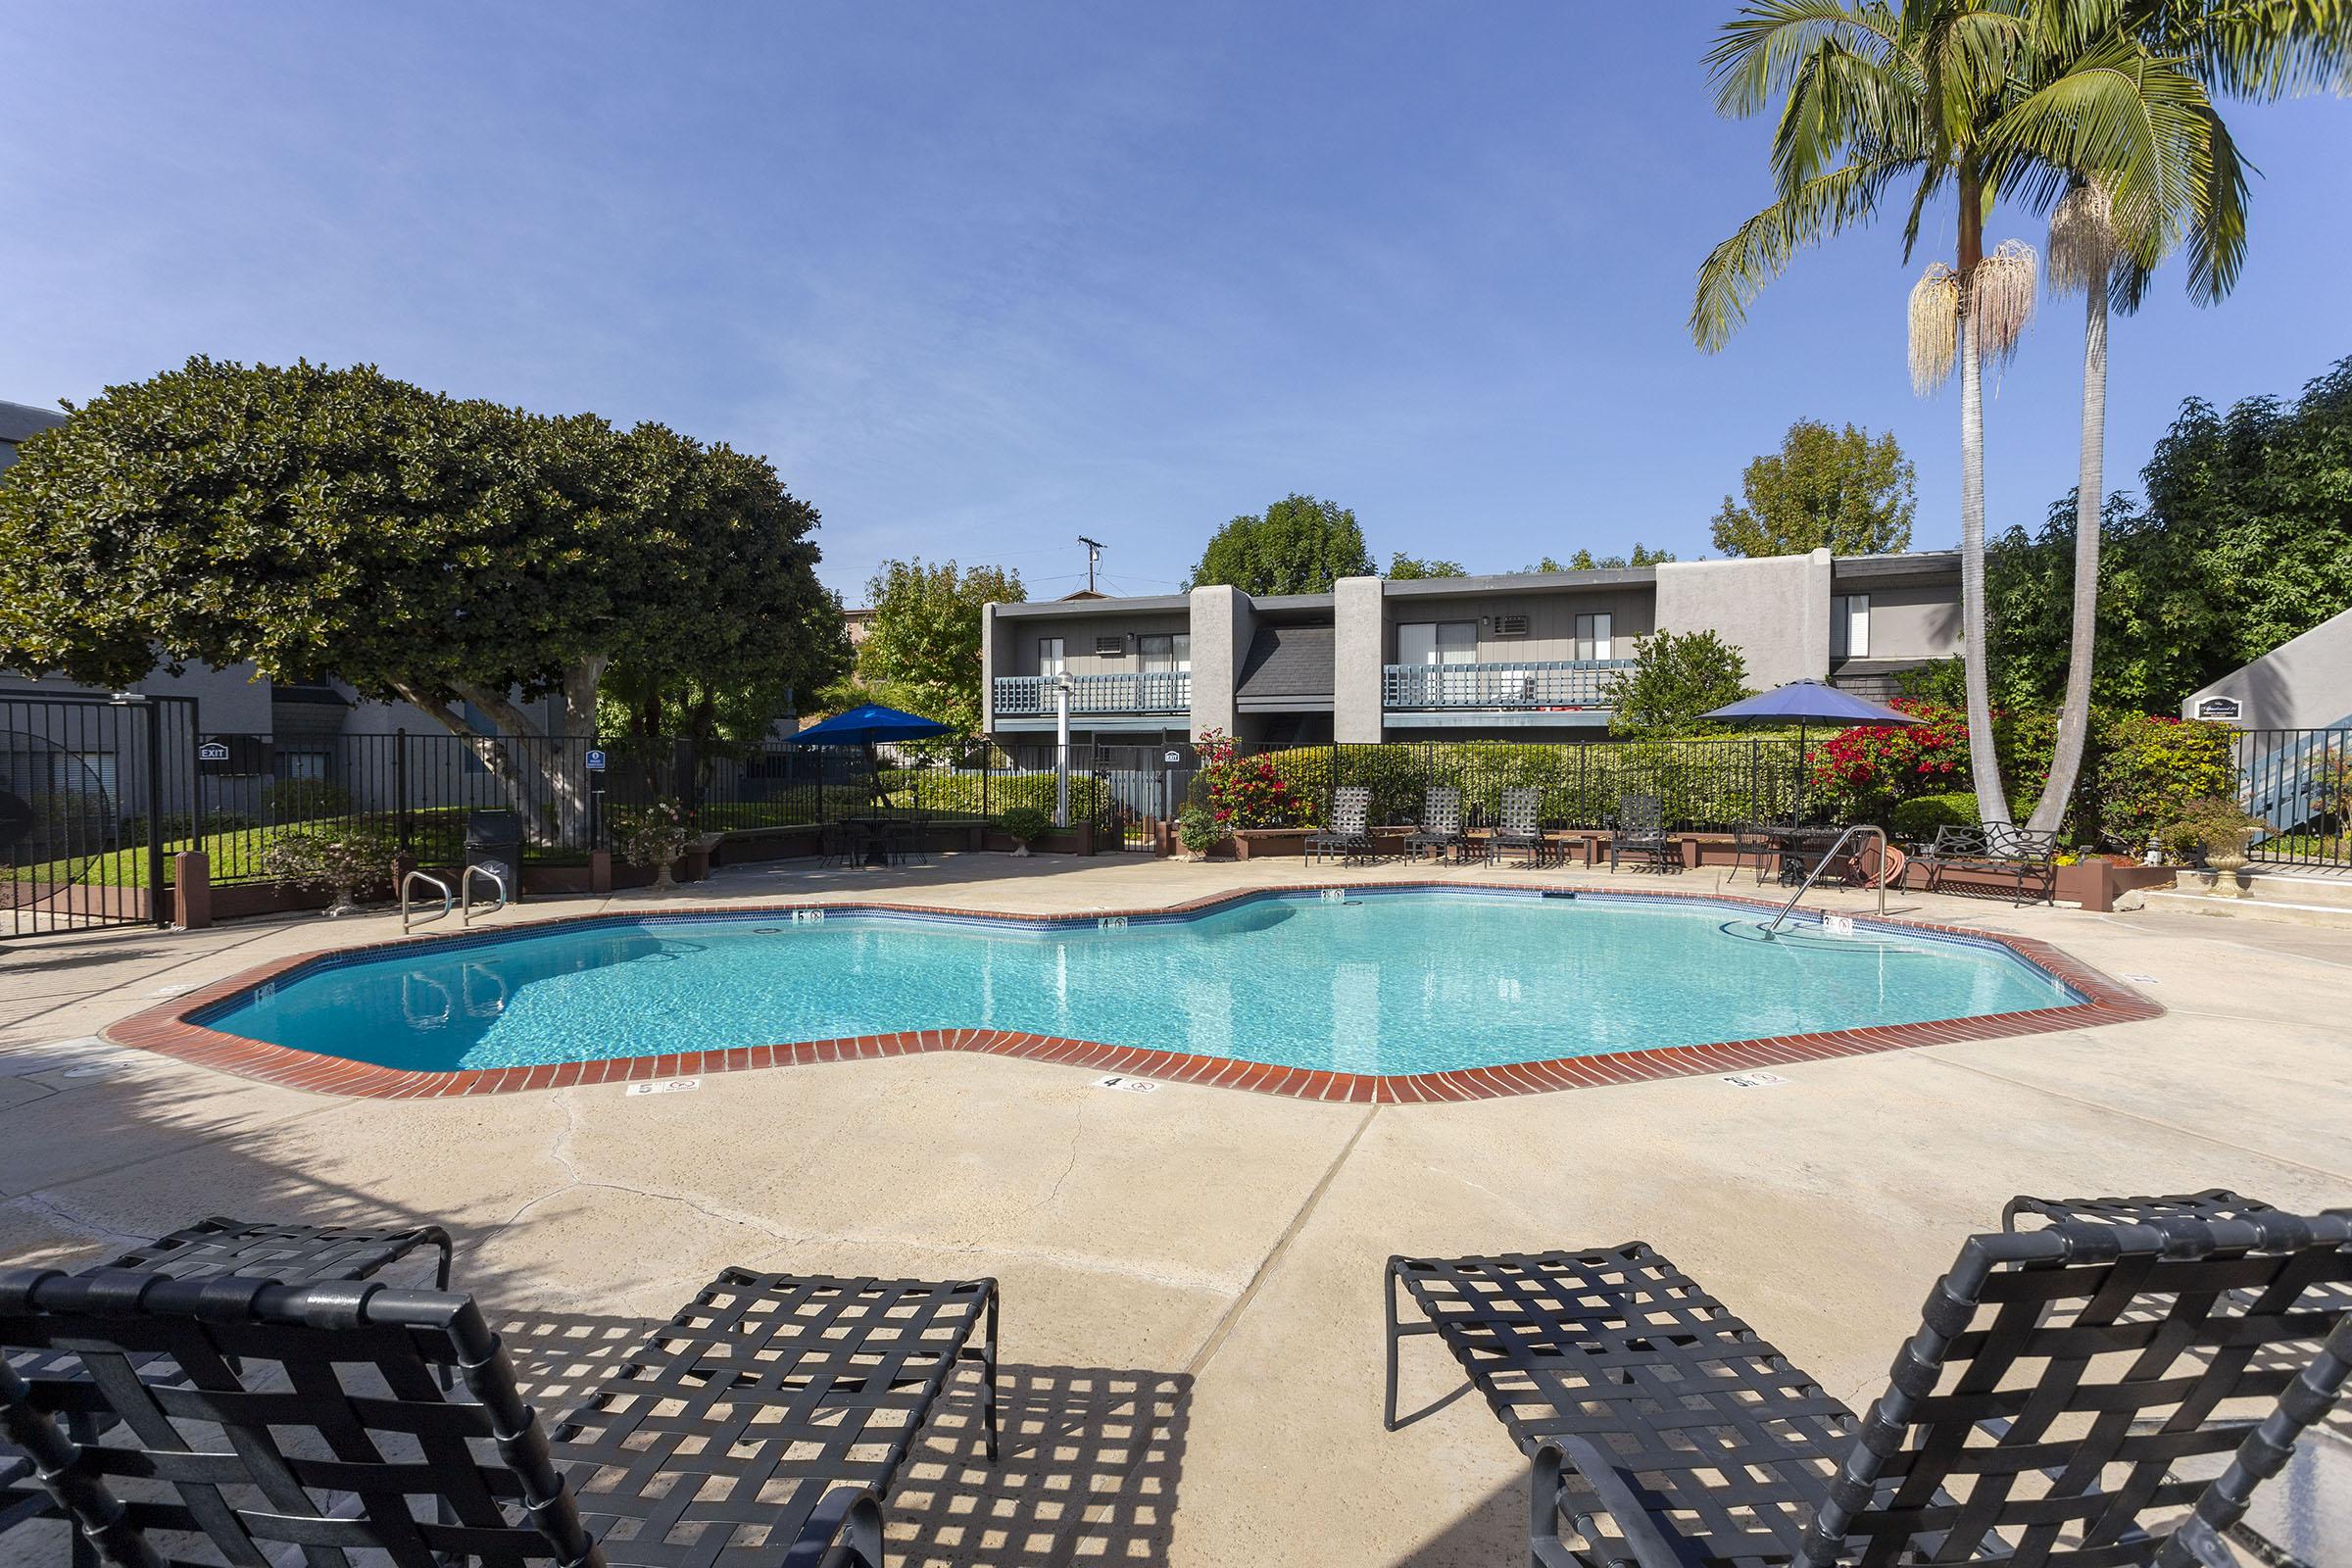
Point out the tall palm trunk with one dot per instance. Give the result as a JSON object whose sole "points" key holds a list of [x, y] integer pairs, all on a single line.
{"points": [[1983, 763], [2074, 715]]}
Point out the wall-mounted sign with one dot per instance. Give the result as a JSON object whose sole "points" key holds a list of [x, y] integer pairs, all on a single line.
{"points": [[596, 761], [212, 751], [1172, 758], [2219, 707]]}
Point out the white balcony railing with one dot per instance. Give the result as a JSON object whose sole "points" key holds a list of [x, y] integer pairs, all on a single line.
{"points": [[1527, 684], [1148, 691]]}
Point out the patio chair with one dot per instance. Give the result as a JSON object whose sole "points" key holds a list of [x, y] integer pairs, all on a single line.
{"points": [[1350, 834], [907, 838], [762, 1425], [1758, 841], [1440, 826], [1640, 829], [837, 843], [2057, 1378], [1516, 827], [210, 1249]]}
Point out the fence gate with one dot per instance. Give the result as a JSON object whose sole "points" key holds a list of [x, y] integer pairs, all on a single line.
{"points": [[90, 790], [1132, 786]]}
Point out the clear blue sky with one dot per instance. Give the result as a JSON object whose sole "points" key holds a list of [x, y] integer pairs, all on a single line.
{"points": [[980, 279]]}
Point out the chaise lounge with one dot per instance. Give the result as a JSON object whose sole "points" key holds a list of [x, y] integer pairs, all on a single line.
{"points": [[1349, 835], [1640, 829], [2035, 1418], [1440, 826], [762, 1425]]}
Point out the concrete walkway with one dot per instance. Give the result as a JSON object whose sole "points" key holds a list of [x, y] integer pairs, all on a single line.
{"points": [[1192, 1277]]}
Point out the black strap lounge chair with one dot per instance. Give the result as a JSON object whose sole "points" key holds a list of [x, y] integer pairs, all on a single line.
{"points": [[1640, 829], [1440, 826], [1517, 827], [2034, 1420], [1998, 852], [760, 1427], [210, 1248], [1348, 834]]}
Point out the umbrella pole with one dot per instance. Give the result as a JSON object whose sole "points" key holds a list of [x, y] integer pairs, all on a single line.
{"points": [[1798, 812]]}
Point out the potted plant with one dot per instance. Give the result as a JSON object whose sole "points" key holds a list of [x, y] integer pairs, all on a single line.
{"points": [[1025, 824], [1197, 832], [336, 861], [2219, 831], [654, 835]]}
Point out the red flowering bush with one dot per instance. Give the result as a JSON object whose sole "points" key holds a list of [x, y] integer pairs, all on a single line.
{"points": [[1877, 764], [1249, 791]]}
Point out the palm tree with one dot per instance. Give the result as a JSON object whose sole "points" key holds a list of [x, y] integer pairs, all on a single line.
{"points": [[1974, 97], [2265, 51]]}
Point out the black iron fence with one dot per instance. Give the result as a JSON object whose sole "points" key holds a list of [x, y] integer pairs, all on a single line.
{"points": [[1705, 785], [88, 786], [2299, 783]]}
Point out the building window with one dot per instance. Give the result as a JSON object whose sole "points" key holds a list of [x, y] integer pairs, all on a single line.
{"points": [[1437, 642], [1849, 626], [1165, 651], [306, 766], [1048, 655], [1592, 639]]}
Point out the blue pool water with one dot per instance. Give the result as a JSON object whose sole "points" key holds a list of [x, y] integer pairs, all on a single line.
{"points": [[1382, 983]]}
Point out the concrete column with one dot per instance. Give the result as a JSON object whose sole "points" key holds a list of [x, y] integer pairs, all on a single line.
{"points": [[191, 890], [1359, 641], [988, 668], [1223, 624]]}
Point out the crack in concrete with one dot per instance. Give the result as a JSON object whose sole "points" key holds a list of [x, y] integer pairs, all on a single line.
{"points": [[44, 1206]]}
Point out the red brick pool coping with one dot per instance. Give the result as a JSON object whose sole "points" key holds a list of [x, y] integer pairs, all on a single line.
{"points": [[167, 1029]]}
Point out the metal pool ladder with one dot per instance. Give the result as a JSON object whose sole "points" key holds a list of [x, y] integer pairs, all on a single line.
{"points": [[437, 884], [1814, 875]]}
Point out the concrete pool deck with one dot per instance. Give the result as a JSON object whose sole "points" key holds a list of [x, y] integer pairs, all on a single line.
{"points": [[1191, 1277]]}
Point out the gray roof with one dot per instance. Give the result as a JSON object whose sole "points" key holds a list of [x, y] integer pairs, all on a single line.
{"points": [[1288, 662], [1917, 567], [1523, 581], [1032, 610], [19, 420]]}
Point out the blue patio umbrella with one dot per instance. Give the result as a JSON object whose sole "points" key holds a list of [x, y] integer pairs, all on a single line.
{"points": [[871, 724], [1803, 703]]}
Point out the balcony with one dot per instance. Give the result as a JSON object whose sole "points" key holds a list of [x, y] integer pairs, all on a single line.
{"points": [[1530, 686], [1151, 691]]}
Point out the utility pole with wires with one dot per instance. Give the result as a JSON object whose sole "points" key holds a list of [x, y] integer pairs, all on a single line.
{"points": [[1094, 552]]}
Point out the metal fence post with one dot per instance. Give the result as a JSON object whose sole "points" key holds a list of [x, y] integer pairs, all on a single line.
{"points": [[399, 786], [155, 813]]}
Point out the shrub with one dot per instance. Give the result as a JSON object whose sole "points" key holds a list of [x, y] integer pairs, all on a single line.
{"points": [[1025, 823], [1921, 816], [304, 800], [2149, 768], [1675, 677], [335, 860], [2210, 825], [1197, 830]]}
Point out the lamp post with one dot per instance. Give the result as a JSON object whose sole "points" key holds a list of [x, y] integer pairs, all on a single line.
{"points": [[1061, 749]]}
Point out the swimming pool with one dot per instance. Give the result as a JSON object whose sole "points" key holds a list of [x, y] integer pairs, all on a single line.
{"points": [[1369, 982]]}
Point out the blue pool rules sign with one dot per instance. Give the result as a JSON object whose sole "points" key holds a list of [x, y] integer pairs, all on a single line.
{"points": [[596, 761]]}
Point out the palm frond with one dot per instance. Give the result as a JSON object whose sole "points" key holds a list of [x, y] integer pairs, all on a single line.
{"points": [[1736, 270], [1759, 52]]}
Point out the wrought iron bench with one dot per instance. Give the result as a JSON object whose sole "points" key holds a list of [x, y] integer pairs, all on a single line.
{"points": [[2024, 861], [760, 1426], [2057, 1378]]}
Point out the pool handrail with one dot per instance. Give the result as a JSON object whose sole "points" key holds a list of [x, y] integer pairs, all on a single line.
{"points": [[438, 886], [498, 884], [1823, 864]]}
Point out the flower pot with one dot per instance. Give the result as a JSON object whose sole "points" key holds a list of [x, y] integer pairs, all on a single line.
{"points": [[1020, 848], [343, 903], [2225, 867], [661, 878]]}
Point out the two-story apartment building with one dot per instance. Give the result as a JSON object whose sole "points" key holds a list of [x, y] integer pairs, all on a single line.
{"points": [[1526, 657]]}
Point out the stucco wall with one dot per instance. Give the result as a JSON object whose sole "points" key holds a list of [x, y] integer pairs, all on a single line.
{"points": [[1223, 624], [228, 701], [1019, 638], [1358, 648], [1551, 619], [1913, 623], [1775, 611], [2302, 684]]}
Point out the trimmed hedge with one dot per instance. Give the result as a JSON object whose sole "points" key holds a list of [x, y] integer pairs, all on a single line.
{"points": [[1921, 816], [991, 795]]}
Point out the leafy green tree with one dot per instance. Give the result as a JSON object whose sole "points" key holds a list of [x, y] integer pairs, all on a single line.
{"points": [[1299, 546], [1586, 561], [1974, 99], [322, 522], [1835, 489], [2244, 542], [1675, 677], [1407, 568], [922, 648]]}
